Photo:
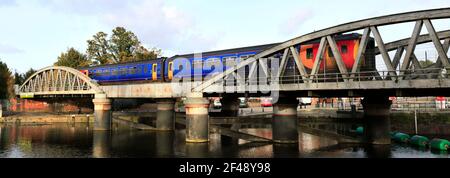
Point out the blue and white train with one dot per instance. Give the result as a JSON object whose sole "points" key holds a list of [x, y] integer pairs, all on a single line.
{"points": [[168, 69]]}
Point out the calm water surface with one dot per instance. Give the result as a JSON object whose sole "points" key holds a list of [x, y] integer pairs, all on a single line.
{"points": [[79, 141]]}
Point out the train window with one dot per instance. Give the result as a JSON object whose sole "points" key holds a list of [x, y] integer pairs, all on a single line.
{"points": [[123, 71], [114, 72], [140, 69], [180, 67], [198, 64], [146, 69], [213, 61], [133, 70], [344, 49], [170, 66], [330, 52], [105, 72], [309, 53], [230, 62]]}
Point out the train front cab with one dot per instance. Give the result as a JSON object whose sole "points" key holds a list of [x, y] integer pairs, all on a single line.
{"points": [[348, 47]]}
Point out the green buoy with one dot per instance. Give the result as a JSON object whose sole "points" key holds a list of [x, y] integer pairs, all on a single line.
{"points": [[393, 134], [420, 141], [401, 137], [360, 130], [440, 144]]}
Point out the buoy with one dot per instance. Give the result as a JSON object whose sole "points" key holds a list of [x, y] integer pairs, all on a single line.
{"points": [[440, 144], [418, 140], [360, 130], [393, 134], [401, 137]]}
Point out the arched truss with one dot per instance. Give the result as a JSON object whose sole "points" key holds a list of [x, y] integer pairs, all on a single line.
{"points": [[56, 80], [370, 26]]}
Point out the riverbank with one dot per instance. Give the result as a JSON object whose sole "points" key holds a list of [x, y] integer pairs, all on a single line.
{"points": [[47, 118], [401, 117]]}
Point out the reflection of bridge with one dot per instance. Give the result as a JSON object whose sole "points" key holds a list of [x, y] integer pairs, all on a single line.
{"points": [[404, 77]]}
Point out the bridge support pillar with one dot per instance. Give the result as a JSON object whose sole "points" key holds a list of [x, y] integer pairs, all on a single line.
{"points": [[102, 113], [285, 122], [377, 123], [197, 118], [230, 106], [165, 120]]}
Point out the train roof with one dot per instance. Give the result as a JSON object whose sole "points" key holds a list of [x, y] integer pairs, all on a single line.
{"points": [[229, 51], [340, 37]]}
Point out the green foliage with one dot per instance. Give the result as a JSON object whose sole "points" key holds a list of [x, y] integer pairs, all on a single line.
{"points": [[18, 78], [122, 46], [426, 63], [72, 58], [29, 73], [6, 82]]}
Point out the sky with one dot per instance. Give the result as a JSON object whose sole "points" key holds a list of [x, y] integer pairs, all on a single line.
{"points": [[33, 33]]}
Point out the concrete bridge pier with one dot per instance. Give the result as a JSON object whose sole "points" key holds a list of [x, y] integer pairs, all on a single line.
{"points": [[285, 122], [102, 113], [197, 118], [230, 106], [165, 115], [377, 123]]}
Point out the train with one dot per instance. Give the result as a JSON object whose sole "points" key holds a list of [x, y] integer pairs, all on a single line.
{"points": [[169, 69]]}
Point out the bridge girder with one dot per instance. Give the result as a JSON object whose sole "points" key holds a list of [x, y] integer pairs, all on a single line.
{"points": [[56, 81], [370, 26]]}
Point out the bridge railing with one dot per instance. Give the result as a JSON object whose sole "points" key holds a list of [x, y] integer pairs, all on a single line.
{"points": [[410, 74]]}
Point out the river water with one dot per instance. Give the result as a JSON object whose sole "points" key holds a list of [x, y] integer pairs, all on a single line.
{"points": [[80, 141]]}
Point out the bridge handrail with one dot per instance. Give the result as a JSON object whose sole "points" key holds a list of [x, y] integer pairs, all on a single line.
{"points": [[338, 77]]}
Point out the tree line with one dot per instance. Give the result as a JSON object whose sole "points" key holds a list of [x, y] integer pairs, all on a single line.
{"points": [[122, 46]]}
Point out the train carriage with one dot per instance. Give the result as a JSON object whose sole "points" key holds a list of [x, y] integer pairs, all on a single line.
{"points": [[209, 64], [150, 70], [190, 66]]}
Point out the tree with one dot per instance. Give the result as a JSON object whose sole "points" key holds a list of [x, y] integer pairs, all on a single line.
{"points": [[426, 63], [72, 58], [143, 53], [6, 82], [123, 46], [28, 74], [98, 49], [18, 78]]}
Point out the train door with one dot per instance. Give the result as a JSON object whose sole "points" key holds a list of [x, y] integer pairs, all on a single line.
{"points": [[155, 72], [170, 70]]}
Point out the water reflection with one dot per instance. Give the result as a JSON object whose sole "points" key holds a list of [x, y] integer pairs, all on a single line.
{"points": [[164, 144], [197, 150], [78, 140], [101, 147], [378, 151], [286, 150]]}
